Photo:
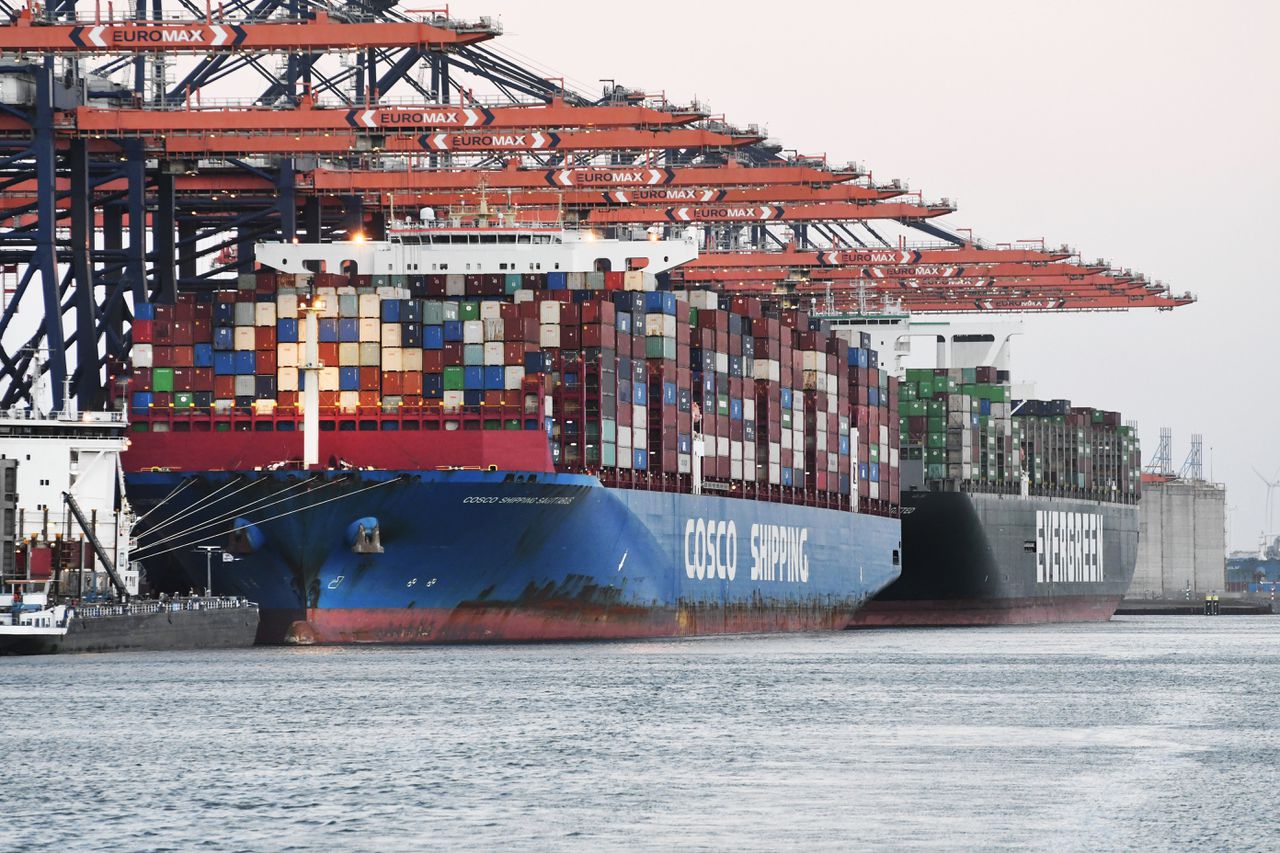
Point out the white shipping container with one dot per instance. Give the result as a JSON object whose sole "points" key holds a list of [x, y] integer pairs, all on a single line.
{"points": [[749, 409], [640, 438], [775, 453], [329, 379], [512, 377], [390, 334], [244, 338], [735, 450], [286, 305], [884, 435], [453, 399], [473, 331], [624, 439], [639, 415], [491, 309], [243, 313], [391, 358], [223, 406], [370, 355], [549, 311], [749, 470], [775, 474], [348, 354], [264, 314], [875, 491], [370, 329], [348, 401], [370, 306], [286, 355], [735, 469], [767, 369], [329, 296], [264, 407], [143, 355], [633, 280], [722, 447], [704, 300], [893, 457], [455, 285], [287, 379], [684, 463], [246, 386], [523, 296], [411, 359], [549, 335], [493, 354], [494, 330], [722, 362]]}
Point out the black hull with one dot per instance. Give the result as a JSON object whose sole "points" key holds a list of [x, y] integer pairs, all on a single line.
{"points": [[971, 559], [181, 630]]}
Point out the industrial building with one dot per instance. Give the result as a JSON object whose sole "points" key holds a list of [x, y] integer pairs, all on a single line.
{"points": [[1183, 543]]}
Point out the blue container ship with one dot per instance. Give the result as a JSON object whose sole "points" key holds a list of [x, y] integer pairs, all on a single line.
{"points": [[507, 457], [470, 556]]}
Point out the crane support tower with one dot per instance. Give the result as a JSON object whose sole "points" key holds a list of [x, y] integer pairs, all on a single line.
{"points": [[145, 153]]}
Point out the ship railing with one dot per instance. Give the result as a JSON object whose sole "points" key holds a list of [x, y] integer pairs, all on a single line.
{"points": [[171, 605], [370, 418]]}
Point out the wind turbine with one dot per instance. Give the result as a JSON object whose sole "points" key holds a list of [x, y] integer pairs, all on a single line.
{"points": [[1272, 485]]}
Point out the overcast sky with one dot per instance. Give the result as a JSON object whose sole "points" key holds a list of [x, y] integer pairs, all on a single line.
{"points": [[1141, 132]]}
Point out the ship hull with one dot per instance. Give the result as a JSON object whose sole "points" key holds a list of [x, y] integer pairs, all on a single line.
{"points": [[180, 630], [988, 559], [502, 557]]}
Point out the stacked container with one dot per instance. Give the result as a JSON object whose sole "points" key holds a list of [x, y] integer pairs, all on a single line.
{"points": [[646, 388]]}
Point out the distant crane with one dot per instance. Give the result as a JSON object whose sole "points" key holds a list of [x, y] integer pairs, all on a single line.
{"points": [[1162, 461], [1272, 485], [1193, 468]]}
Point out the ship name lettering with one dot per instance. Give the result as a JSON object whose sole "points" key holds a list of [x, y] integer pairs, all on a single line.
{"points": [[710, 549], [778, 553]]}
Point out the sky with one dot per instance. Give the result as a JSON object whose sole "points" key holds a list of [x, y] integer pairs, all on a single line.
{"points": [[1141, 132]]}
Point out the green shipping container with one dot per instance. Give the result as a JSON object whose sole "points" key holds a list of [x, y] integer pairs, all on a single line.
{"points": [[453, 379], [936, 439], [469, 310], [162, 379], [184, 400]]}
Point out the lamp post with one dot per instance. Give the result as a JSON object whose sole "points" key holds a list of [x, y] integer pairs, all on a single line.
{"points": [[209, 551]]}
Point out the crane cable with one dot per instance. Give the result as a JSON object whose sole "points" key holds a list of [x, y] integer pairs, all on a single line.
{"points": [[206, 501], [284, 514], [237, 511]]}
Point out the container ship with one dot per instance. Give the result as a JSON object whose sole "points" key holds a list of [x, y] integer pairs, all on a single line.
{"points": [[484, 431], [1013, 510]]}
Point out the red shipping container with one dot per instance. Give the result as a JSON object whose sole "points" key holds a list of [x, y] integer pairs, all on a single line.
{"points": [[513, 353], [202, 378], [163, 312], [143, 331], [369, 399], [265, 362], [432, 361], [183, 356], [328, 353], [181, 332], [369, 379], [183, 380], [162, 356], [287, 399], [264, 338], [162, 331], [613, 281], [328, 400], [141, 379], [411, 383], [392, 383], [201, 330], [452, 354], [224, 387]]}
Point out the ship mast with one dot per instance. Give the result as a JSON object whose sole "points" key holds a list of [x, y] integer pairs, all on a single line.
{"points": [[311, 383]]}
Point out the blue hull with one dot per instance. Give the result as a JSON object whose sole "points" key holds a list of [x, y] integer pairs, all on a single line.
{"points": [[471, 556]]}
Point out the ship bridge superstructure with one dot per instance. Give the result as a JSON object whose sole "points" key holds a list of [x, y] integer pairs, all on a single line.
{"points": [[151, 148]]}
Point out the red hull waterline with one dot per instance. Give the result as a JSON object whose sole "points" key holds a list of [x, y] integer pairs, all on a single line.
{"points": [[974, 611], [489, 624]]}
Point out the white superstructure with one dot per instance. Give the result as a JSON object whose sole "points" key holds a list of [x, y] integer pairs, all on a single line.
{"points": [[75, 453], [425, 249]]}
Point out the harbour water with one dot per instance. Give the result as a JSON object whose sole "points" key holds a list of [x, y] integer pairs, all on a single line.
{"points": [[1142, 733]]}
